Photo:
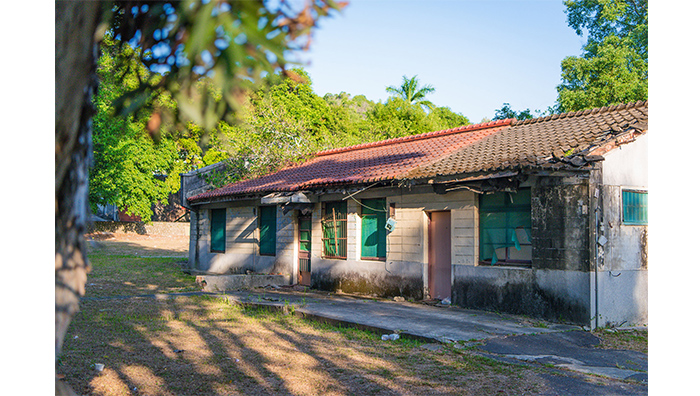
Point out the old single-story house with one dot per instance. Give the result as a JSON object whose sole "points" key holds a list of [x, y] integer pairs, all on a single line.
{"points": [[544, 217]]}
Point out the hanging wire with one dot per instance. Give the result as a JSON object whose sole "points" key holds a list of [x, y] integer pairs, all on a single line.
{"points": [[365, 206]]}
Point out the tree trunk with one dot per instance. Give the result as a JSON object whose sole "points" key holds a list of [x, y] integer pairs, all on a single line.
{"points": [[76, 57]]}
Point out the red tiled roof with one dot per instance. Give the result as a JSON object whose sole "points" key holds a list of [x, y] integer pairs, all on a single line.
{"points": [[569, 139], [364, 163], [536, 142]]}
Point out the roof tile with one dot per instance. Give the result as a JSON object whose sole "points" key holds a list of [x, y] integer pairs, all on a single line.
{"points": [[364, 163], [491, 146], [540, 138]]}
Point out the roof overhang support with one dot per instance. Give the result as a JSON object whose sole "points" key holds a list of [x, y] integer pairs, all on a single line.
{"points": [[283, 198], [502, 181], [480, 184], [299, 200]]}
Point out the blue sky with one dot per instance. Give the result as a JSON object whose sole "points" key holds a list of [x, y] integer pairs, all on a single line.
{"points": [[477, 54]]}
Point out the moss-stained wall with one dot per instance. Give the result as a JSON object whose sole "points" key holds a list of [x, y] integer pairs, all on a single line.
{"points": [[560, 224]]}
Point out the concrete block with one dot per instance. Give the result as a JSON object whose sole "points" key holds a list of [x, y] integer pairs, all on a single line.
{"points": [[218, 283]]}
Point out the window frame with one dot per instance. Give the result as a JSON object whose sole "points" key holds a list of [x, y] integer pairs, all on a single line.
{"points": [[367, 211], [262, 233], [339, 238], [507, 209], [215, 220], [626, 207]]}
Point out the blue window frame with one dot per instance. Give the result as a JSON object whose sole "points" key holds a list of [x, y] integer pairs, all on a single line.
{"points": [[634, 207]]}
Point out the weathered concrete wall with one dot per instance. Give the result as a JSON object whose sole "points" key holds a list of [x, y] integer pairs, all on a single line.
{"points": [[560, 224], [219, 283], [398, 275], [195, 182], [549, 294], [623, 260], [628, 165], [557, 286], [126, 227], [377, 278], [242, 243], [404, 273]]}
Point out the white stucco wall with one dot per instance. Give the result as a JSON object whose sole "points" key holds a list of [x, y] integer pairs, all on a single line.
{"points": [[628, 165], [622, 271]]}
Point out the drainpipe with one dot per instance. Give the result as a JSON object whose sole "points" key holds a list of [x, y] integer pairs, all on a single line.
{"points": [[196, 239], [597, 229]]}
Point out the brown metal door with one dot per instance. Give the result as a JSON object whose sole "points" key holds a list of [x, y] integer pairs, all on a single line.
{"points": [[439, 255], [304, 250]]}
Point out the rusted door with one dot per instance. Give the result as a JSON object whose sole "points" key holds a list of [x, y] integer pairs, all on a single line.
{"points": [[439, 255], [304, 250]]}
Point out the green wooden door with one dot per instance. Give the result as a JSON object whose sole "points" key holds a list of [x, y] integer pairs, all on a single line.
{"points": [[373, 231]]}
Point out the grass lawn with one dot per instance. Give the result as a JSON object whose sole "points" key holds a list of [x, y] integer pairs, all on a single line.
{"points": [[203, 345]]}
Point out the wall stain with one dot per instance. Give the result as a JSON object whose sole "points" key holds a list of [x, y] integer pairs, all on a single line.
{"points": [[371, 285], [521, 298]]}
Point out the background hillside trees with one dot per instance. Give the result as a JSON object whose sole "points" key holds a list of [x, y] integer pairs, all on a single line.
{"points": [[613, 68], [280, 122], [411, 91]]}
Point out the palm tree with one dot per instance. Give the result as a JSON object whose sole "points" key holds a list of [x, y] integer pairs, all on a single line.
{"points": [[410, 92]]}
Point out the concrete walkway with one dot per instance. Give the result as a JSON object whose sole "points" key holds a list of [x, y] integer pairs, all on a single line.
{"points": [[568, 350], [444, 324]]}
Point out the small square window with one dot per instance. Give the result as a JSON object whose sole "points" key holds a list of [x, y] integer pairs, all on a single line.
{"points": [[634, 207]]}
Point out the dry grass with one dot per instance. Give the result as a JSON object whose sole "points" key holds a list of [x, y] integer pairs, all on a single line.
{"points": [[633, 339], [203, 345], [115, 275]]}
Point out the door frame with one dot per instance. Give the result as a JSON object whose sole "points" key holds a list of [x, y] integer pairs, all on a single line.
{"points": [[430, 280], [301, 278]]}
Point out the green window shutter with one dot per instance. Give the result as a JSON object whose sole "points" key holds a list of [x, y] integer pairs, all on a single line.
{"points": [[634, 207], [373, 231], [218, 230], [268, 230]]}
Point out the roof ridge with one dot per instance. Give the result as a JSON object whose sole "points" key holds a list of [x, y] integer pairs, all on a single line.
{"points": [[427, 135], [621, 106]]}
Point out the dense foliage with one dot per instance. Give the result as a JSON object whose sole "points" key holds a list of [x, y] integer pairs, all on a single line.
{"points": [[171, 125], [285, 121], [613, 68], [278, 123], [130, 168]]}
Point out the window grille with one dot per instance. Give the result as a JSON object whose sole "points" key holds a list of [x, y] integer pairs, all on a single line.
{"points": [[334, 224]]}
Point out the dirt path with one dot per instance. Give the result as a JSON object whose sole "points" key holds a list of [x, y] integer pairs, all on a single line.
{"points": [[140, 245]]}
